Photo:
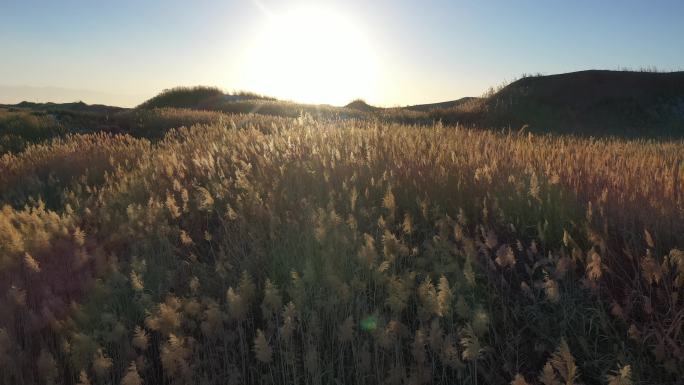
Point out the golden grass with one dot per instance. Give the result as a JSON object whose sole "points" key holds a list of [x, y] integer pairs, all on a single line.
{"points": [[259, 249]]}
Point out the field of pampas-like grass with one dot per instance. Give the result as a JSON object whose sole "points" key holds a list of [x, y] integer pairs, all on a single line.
{"points": [[269, 250]]}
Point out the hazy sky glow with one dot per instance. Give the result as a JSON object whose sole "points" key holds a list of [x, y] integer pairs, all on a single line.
{"points": [[123, 52]]}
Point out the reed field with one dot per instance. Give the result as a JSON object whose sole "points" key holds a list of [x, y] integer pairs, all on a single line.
{"points": [[257, 249]]}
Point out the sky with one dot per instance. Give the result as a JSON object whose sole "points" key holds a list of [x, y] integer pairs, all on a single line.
{"points": [[388, 52]]}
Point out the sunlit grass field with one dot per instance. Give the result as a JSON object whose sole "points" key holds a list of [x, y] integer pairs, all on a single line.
{"points": [[253, 249]]}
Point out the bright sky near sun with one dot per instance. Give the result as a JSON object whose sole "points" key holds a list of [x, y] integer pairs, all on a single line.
{"points": [[389, 52]]}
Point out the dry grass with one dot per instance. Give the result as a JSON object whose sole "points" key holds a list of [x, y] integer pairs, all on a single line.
{"points": [[275, 250]]}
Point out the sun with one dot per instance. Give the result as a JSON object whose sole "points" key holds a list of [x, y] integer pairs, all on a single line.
{"points": [[311, 55]]}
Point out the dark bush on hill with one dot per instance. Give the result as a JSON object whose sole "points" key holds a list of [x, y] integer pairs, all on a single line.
{"points": [[184, 97]]}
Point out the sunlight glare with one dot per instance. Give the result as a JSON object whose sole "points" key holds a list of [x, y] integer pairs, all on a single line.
{"points": [[311, 55]]}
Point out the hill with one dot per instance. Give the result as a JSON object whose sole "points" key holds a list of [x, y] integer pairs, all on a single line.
{"points": [[593, 102], [200, 97], [441, 105], [73, 107], [361, 105]]}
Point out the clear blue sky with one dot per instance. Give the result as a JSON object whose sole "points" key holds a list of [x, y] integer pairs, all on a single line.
{"points": [[122, 52]]}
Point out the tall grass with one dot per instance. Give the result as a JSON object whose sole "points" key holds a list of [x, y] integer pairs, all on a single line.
{"points": [[17, 128], [299, 250]]}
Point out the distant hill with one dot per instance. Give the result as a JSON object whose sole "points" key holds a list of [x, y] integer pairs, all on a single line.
{"points": [[440, 105], [73, 107], [361, 105], [595, 102], [201, 97], [17, 93], [588, 102]]}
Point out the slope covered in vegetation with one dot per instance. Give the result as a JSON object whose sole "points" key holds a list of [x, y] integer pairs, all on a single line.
{"points": [[184, 97], [270, 250], [586, 102]]}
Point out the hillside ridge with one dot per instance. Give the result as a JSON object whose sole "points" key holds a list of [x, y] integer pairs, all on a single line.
{"points": [[589, 102]]}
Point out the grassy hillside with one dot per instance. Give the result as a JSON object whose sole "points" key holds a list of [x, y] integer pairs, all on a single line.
{"points": [[17, 129], [32, 123], [21, 127], [185, 97], [594, 102], [271, 250], [71, 107], [588, 103], [441, 105]]}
